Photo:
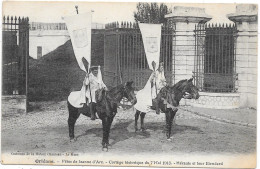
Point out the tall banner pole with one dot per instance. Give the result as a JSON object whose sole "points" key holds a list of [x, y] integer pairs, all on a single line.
{"points": [[151, 35], [79, 28], [88, 65], [154, 64], [89, 81], [77, 9]]}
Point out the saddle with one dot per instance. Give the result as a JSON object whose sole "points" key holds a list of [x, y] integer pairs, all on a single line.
{"points": [[104, 104], [165, 97]]}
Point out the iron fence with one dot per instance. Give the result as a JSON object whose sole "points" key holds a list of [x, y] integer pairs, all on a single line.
{"points": [[215, 69], [15, 31], [124, 55]]}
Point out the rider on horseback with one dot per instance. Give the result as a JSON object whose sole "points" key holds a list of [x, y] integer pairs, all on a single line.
{"points": [[158, 81], [93, 82]]}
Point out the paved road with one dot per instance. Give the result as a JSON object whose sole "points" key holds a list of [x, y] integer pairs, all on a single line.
{"points": [[45, 129]]}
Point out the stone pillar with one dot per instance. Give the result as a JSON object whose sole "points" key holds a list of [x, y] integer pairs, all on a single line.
{"points": [[246, 53], [185, 19]]}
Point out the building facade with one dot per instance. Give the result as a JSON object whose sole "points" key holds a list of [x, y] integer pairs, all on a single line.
{"points": [[46, 37], [243, 52]]}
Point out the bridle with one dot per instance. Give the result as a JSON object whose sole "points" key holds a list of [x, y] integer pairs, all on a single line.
{"points": [[128, 93], [188, 95], [125, 93]]}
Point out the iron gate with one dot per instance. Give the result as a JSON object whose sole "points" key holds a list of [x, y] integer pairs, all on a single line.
{"points": [[15, 54], [215, 69], [124, 55]]}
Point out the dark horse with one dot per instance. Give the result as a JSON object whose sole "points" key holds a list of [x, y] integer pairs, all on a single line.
{"points": [[168, 99], [106, 108]]}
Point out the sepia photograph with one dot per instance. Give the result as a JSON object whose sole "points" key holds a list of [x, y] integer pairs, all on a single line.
{"points": [[129, 84]]}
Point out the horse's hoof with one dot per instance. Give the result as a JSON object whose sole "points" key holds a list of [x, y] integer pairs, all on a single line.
{"points": [[105, 149], [169, 139], [73, 140], [143, 129], [136, 129]]}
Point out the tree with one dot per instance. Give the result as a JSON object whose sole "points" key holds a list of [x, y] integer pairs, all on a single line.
{"points": [[151, 12]]}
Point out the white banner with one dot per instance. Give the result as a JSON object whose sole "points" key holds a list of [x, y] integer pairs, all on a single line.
{"points": [[151, 34], [79, 27]]}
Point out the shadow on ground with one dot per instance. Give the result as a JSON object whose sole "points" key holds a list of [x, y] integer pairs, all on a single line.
{"points": [[120, 131]]}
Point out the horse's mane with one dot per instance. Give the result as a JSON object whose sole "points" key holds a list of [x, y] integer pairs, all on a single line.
{"points": [[111, 94], [114, 89], [172, 93], [178, 85]]}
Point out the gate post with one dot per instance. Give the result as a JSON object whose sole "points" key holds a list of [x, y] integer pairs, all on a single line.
{"points": [[185, 19], [246, 53]]}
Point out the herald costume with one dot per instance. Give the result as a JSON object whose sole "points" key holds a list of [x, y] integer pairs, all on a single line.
{"points": [[87, 94], [95, 83], [153, 86]]}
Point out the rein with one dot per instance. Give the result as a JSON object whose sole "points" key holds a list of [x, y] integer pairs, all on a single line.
{"points": [[170, 96]]}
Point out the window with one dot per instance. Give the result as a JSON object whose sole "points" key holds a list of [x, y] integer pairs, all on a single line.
{"points": [[39, 52]]}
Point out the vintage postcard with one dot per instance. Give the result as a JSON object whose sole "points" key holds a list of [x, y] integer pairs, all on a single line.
{"points": [[134, 84]]}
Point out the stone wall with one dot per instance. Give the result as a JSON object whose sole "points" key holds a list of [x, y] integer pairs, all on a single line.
{"points": [[246, 53], [13, 104], [215, 100]]}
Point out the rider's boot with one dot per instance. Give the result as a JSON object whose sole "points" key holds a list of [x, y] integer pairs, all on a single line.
{"points": [[157, 101], [157, 106]]}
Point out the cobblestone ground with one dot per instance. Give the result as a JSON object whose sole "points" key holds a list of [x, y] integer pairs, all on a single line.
{"points": [[45, 129]]}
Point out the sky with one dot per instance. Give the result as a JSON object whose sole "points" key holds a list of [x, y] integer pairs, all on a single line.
{"points": [[104, 12]]}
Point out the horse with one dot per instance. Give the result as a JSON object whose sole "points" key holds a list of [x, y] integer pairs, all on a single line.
{"points": [[168, 99], [106, 108]]}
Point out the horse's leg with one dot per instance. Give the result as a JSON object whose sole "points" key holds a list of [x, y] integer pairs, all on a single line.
{"points": [[173, 113], [142, 121], [168, 125], [136, 119], [73, 116], [110, 120], [105, 125]]}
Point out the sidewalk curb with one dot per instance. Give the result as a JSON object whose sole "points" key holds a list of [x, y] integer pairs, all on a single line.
{"points": [[219, 119]]}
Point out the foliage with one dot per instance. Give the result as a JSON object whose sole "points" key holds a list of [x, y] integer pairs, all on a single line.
{"points": [[156, 12]]}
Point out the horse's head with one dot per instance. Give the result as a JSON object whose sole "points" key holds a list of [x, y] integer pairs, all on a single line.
{"points": [[129, 92], [190, 91]]}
